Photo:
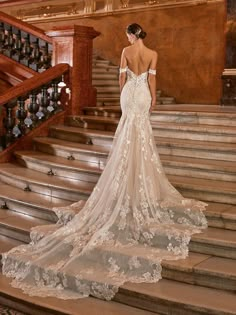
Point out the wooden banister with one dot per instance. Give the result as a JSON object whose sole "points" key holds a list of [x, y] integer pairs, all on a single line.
{"points": [[34, 82], [28, 28]]}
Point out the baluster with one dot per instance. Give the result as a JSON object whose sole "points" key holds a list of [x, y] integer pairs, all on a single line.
{"points": [[26, 51], [44, 102], [9, 42], [9, 122], [21, 114], [35, 54], [2, 37], [18, 45], [45, 59], [33, 108], [55, 95]]}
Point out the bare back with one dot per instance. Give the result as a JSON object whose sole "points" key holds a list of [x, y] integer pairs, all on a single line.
{"points": [[138, 58]]}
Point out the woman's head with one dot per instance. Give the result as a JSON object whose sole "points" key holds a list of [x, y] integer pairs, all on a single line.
{"points": [[136, 30]]}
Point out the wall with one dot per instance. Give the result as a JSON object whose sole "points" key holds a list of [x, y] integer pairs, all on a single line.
{"points": [[190, 42]]}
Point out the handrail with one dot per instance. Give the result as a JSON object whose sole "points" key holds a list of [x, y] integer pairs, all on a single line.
{"points": [[33, 83], [28, 28]]}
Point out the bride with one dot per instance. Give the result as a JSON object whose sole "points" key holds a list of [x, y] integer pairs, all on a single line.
{"points": [[134, 217]]}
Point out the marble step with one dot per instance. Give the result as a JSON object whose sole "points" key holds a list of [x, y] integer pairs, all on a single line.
{"points": [[195, 132], [107, 89], [72, 150], [104, 70], [160, 129], [168, 296], [216, 242], [107, 101], [105, 66], [17, 225], [82, 135], [105, 81], [197, 148], [57, 166], [171, 297], [199, 269], [199, 168], [54, 186], [161, 115], [87, 171], [30, 203], [196, 118], [7, 243], [168, 146], [15, 298], [205, 189]]}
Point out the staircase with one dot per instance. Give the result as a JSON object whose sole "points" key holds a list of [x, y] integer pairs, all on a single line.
{"points": [[197, 145]]}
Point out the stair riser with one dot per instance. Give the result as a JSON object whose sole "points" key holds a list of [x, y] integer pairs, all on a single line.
{"points": [[65, 173], [102, 113], [112, 102], [185, 119], [170, 149], [195, 277], [85, 157], [222, 223], [103, 82], [19, 235], [106, 142], [162, 306], [214, 196], [44, 189], [92, 125], [191, 171], [185, 134], [30, 210], [212, 249]]}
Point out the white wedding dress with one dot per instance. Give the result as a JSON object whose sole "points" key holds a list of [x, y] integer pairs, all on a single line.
{"points": [[132, 221]]}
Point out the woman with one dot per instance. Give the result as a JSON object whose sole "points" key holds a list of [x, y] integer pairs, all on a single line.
{"points": [[133, 219]]}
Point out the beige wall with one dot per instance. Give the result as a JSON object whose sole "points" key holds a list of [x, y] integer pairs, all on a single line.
{"points": [[190, 42]]}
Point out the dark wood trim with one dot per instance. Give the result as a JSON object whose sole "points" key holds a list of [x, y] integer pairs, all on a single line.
{"points": [[33, 83], [28, 28]]}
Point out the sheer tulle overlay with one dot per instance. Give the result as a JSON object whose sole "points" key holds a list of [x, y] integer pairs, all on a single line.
{"points": [[132, 221]]}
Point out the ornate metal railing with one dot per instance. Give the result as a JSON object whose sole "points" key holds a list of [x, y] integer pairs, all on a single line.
{"points": [[32, 101], [25, 43]]}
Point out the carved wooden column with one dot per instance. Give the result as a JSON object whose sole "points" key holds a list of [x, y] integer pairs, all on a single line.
{"points": [[75, 47]]}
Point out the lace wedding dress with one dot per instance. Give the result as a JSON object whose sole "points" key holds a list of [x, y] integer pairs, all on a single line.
{"points": [[132, 221]]}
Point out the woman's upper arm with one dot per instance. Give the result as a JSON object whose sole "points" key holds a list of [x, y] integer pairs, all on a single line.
{"points": [[123, 61], [153, 63]]}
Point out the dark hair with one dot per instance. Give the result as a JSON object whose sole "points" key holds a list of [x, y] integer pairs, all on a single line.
{"points": [[137, 30]]}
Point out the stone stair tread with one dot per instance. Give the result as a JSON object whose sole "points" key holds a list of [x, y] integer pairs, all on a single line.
{"points": [[19, 221], [198, 108], [72, 146], [217, 237], [221, 146], [30, 176], [59, 162], [7, 243], [218, 210], [191, 297], [100, 119], [209, 164], [62, 307], [11, 193], [194, 112], [195, 127], [204, 184], [101, 133]]}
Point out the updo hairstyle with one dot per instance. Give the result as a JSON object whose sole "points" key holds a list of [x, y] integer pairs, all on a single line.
{"points": [[136, 30]]}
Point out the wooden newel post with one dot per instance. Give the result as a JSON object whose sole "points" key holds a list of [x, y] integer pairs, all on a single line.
{"points": [[75, 47]]}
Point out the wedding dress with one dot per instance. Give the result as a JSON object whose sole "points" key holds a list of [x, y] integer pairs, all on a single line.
{"points": [[132, 221]]}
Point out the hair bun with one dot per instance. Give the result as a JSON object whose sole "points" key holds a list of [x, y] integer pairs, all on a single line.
{"points": [[142, 34]]}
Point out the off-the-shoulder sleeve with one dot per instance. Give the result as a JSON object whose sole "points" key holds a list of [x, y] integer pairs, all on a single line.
{"points": [[152, 71], [123, 70]]}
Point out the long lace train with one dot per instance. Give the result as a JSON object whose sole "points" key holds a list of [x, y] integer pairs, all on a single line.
{"points": [[133, 220]]}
